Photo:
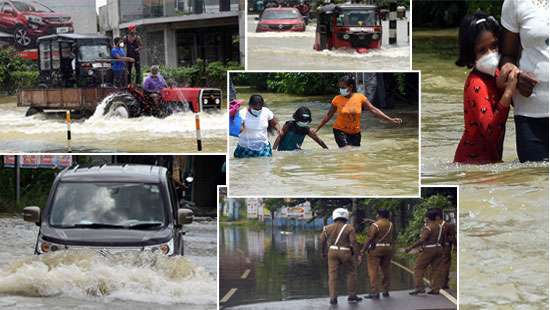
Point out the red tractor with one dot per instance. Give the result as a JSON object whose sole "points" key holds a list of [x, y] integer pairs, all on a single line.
{"points": [[76, 75]]}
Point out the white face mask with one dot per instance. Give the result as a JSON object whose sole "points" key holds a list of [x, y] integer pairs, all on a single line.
{"points": [[121, 44], [344, 91], [255, 112], [488, 63], [302, 124]]}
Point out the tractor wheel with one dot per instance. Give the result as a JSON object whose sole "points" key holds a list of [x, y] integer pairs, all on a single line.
{"points": [[21, 37], [32, 111], [122, 105]]}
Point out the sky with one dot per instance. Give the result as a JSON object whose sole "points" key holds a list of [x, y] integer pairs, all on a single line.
{"points": [[99, 3]]}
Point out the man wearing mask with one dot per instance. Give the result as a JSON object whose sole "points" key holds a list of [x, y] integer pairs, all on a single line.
{"points": [[119, 64], [133, 44], [154, 82], [339, 245], [380, 252]]}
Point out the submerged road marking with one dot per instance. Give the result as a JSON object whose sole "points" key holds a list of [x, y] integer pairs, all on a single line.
{"points": [[228, 295], [248, 261], [441, 291], [245, 274]]}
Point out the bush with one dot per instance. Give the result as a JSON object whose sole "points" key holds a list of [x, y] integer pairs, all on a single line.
{"points": [[10, 63], [25, 79], [201, 74]]}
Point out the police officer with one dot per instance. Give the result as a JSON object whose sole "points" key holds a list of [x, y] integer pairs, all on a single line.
{"points": [[432, 252], [449, 243], [380, 253], [338, 243]]}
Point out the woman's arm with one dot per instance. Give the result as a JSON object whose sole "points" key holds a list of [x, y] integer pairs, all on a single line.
{"points": [[273, 123], [280, 136], [510, 50], [311, 133], [327, 117], [379, 114]]}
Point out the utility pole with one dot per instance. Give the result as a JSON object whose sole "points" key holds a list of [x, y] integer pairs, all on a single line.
{"points": [[17, 180]]}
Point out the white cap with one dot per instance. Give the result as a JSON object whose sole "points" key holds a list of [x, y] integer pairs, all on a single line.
{"points": [[340, 213]]}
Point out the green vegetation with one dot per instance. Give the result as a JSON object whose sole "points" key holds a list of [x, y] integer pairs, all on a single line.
{"points": [[211, 74], [35, 187], [311, 83], [449, 13], [16, 72]]}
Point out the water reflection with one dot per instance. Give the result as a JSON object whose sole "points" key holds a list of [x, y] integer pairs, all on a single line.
{"points": [[283, 265]]}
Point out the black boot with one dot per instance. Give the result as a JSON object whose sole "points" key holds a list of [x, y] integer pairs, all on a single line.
{"points": [[417, 291], [333, 301], [373, 296], [354, 298], [433, 292], [386, 294]]}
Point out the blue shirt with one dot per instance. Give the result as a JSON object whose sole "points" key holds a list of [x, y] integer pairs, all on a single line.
{"points": [[118, 65]]}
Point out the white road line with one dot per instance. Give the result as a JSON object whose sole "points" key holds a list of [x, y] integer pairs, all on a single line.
{"points": [[245, 274], [248, 261], [228, 295], [441, 291]]}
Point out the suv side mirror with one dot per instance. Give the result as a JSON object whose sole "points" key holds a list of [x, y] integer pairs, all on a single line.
{"points": [[185, 216], [32, 214]]}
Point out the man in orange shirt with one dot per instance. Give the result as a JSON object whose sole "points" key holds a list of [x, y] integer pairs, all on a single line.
{"points": [[349, 105]]}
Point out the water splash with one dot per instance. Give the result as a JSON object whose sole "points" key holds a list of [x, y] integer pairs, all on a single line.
{"points": [[143, 277]]}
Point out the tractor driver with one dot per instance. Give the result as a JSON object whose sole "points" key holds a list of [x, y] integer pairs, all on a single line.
{"points": [[153, 84]]}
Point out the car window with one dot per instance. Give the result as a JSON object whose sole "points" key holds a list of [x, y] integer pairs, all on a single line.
{"points": [[121, 204], [31, 6], [93, 52], [7, 8], [356, 18], [280, 14]]}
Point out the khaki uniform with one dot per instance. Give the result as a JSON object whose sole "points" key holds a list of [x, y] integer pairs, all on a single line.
{"points": [[431, 255], [449, 241], [342, 253], [380, 234]]}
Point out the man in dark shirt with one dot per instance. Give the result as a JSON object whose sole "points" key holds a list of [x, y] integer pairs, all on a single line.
{"points": [[133, 44]]}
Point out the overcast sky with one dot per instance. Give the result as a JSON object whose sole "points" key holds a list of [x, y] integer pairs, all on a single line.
{"points": [[99, 3]]}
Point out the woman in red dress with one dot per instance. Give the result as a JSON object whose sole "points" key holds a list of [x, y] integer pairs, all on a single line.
{"points": [[485, 107]]}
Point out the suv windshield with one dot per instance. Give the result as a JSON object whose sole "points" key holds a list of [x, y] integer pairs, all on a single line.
{"points": [[93, 52], [31, 6], [111, 205], [357, 18], [286, 14]]}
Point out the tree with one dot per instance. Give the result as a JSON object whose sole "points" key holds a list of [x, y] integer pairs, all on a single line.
{"points": [[273, 205]]}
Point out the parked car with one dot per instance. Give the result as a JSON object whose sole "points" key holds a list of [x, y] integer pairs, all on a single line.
{"points": [[28, 20], [111, 208], [281, 19]]}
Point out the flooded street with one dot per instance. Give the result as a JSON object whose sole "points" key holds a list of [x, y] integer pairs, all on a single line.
{"points": [[82, 279], [47, 132], [504, 207], [283, 266], [294, 51], [385, 164]]}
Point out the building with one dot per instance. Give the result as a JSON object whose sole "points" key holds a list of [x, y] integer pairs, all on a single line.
{"points": [[179, 32], [82, 12]]}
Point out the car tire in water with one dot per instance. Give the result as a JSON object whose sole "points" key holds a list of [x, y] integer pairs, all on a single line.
{"points": [[32, 111], [21, 37], [122, 105]]}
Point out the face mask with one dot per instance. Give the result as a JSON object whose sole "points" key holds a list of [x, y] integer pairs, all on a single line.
{"points": [[344, 91], [121, 44], [302, 124], [255, 112], [488, 63]]}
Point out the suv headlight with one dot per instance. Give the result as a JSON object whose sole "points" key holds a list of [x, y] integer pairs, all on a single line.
{"points": [[35, 19], [47, 247], [165, 248]]}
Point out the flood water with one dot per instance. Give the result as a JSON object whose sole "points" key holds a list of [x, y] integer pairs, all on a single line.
{"points": [[85, 280], [283, 265], [294, 51], [48, 132], [385, 164], [503, 207]]}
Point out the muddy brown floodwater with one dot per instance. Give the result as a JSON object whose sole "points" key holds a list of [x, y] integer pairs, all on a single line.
{"points": [[86, 280], [47, 132]]}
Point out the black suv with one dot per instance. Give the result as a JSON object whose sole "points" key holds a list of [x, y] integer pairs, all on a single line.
{"points": [[111, 208]]}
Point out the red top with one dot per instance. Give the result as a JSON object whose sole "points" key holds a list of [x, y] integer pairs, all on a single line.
{"points": [[484, 121]]}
